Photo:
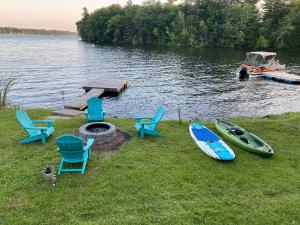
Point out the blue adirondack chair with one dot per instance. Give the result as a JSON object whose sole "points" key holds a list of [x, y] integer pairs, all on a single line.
{"points": [[34, 133], [147, 125], [73, 151], [94, 112]]}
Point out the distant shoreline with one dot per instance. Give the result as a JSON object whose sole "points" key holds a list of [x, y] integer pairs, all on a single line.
{"points": [[22, 31]]}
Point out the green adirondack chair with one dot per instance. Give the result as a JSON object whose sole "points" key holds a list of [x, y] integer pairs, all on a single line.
{"points": [[34, 133], [147, 125], [73, 151], [94, 112]]}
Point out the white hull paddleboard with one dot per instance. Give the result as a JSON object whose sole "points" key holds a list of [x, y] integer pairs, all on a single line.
{"points": [[210, 143]]}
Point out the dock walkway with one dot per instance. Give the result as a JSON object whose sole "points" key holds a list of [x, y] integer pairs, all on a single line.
{"points": [[282, 77], [81, 102], [96, 88]]}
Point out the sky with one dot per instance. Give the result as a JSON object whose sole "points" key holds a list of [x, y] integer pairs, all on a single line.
{"points": [[48, 14]]}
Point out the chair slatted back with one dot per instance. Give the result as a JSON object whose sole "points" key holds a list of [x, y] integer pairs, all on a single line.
{"points": [[70, 146], [158, 116], [25, 121], [94, 106]]}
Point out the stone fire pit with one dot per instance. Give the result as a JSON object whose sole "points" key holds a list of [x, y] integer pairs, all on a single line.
{"points": [[101, 132]]}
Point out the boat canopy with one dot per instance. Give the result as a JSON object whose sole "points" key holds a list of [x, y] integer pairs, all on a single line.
{"points": [[259, 58], [261, 61], [263, 54]]}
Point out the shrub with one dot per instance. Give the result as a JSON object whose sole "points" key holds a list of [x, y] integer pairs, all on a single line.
{"points": [[5, 86]]}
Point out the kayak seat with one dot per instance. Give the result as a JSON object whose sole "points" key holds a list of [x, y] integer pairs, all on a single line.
{"points": [[236, 131], [244, 140]]}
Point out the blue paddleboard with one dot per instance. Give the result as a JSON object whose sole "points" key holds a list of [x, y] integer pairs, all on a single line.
{"points": [[210, 143]]}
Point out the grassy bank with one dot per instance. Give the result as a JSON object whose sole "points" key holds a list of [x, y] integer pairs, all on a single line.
{"points": [[153, 181]]}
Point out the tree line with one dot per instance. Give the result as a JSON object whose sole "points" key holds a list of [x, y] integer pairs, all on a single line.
{"points": [[196, 23], [14, 30]]}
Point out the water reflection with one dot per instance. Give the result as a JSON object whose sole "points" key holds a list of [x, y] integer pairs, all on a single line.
{"points": [[201, 82]]}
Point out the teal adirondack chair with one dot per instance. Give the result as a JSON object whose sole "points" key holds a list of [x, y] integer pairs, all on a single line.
{"points": [[34, 133], [147, 125], [73, 151], [94, 112]]}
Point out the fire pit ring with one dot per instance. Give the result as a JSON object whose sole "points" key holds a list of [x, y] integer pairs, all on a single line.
{"points": [[101, 132]]}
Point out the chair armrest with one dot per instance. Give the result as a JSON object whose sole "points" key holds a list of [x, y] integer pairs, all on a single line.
{"points": [[88, 144], [147, 123], [139, 118], [43, 121], [36, 128], [50, 122], [85, 112]]}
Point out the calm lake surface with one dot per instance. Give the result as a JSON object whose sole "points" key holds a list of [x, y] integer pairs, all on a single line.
{"points": [[50, 70]]}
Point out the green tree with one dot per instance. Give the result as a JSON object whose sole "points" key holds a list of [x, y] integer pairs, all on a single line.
{"points": [[81, 24], [195, 23]]}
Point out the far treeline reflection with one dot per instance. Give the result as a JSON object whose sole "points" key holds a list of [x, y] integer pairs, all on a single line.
{"points": [[196, 23]]}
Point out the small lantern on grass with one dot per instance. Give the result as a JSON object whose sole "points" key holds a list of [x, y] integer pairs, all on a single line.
{"points": [[50, 175]]}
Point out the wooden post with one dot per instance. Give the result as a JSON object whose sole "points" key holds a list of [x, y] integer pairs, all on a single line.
{"points": [[179, 115], [63, 97]]}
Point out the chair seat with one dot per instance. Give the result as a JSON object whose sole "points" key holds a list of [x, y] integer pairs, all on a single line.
{"points": [[138, 126], [48, 132]]}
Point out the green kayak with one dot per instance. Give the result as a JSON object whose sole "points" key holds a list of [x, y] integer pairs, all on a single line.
{"points": [[243, 138]]}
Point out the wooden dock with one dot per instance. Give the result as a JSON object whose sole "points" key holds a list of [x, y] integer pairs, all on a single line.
{"points": [[66, 112], [282, 77], [109, 85], [81, 103], [97, 88]]}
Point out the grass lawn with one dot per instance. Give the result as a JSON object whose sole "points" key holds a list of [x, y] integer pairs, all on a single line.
{"points": [[153, 181]]}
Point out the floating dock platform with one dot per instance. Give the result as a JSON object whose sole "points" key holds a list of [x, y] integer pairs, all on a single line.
{"points": [[282, 77], [97, 88], [109, 85]]}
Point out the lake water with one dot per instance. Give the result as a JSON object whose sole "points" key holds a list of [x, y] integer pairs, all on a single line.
{"points": [[50, 70]]}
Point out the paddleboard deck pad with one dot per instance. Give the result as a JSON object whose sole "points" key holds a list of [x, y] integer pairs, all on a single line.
{"points": [[210, 143]]}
